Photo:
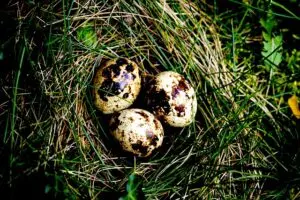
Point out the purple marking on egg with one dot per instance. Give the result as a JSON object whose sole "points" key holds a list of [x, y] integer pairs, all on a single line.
{"points": [[128, 76], [149, 134], [175, 92]]}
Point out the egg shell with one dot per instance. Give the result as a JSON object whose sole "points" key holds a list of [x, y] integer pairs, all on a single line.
{"points": [[137, 131], [117, 84], [172, 99]]}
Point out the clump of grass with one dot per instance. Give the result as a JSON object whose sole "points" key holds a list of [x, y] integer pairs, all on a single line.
{"points": [[236, 147]]}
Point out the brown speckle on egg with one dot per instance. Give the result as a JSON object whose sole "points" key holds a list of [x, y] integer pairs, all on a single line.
{"points": [[140, 148], [115, 122], [125, 96], [122, 61], [158, 102], [183, 85], [129, 68], [143, 115], [154, 140], [180, 110], [156, 123]]}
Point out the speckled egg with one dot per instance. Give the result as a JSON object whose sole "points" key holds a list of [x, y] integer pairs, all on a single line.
{"points": [[172, 99], [137, 131], [117, 84]]}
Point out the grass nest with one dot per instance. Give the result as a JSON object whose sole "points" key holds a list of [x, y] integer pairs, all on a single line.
{"points": [[232, 149]]}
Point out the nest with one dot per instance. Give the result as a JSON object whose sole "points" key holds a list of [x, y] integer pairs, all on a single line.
{"points": [[158, 36]]}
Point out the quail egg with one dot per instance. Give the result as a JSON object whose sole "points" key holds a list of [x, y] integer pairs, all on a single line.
{"points": [[172, 99], [137, 131], [117, 84]]}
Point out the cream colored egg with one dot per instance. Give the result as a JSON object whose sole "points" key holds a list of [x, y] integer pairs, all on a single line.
{"points": [[137, 131], [117, 84], [172, 99]]}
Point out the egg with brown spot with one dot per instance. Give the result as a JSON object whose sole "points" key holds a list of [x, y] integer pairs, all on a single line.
{"points": [[117, 84], [172, 99], [137, 131]]}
